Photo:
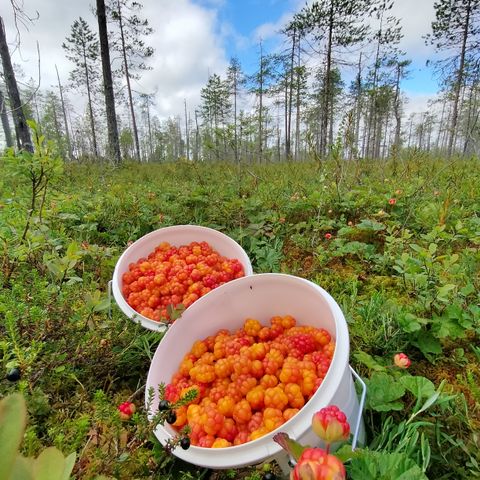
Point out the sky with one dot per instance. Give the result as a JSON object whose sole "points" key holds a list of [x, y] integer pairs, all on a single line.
{"points": [[195, 38]]}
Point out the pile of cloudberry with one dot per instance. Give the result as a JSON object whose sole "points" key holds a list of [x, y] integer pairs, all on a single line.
{"points": [[249, 382], [176, 276]]}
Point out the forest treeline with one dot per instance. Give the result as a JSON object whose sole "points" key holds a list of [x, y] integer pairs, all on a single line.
{"points": [[335, 87]]}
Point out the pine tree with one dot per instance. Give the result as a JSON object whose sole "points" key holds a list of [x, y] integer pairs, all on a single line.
{"points": [[129, 42], [113, 142], [22, 132], [5, 122], [456, 27], [333, 24], [82, 49], [215, 109], [236, 80]]}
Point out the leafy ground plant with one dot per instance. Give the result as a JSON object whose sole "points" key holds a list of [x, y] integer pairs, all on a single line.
{"points": [[406, 274]]}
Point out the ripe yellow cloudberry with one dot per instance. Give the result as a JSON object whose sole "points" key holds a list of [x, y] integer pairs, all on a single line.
{"points": [[288, 413], [295, 395], [225, 405], [223, 368], [268, 381], [259, 432], [276, 398], [199, 348], [272, 418], [242, 413], [203, 373], [252, 327], [255, 397]]}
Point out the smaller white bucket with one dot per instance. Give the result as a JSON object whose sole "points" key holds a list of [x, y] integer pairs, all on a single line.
{"points": [[259, 296], [177, 235]]}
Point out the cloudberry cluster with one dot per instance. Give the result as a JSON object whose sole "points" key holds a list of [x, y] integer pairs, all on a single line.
{"points": [[249, 381], [176, 276]]}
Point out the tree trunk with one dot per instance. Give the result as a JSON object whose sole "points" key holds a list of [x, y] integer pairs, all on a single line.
{"points": [[297, 117], [113, 143], [187, 137], [127, 77], [64, 111], [24, 141], [459, 82], [327, 100], [260, 112], [90, 108], [288, 130], [5, 122]]}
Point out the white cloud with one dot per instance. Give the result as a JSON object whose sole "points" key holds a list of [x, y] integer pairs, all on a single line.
{"points": [[187, 43]]}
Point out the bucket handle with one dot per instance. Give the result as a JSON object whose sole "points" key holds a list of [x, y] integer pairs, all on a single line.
{"points": [[109, 289], [360, 407]]}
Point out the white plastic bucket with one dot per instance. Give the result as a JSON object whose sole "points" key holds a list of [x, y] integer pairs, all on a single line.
{"points": [[259, 296], [177, 235]]}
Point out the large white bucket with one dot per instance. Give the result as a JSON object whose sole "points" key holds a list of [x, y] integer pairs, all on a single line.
{"points": [[177, 235], [259, 296]]}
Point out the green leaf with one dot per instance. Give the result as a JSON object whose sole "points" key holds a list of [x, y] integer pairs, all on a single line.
{"points": [[421, 387], [384, 466], [102, 305], [49, 465], [370, 225], [68, 466], [23, 469], [427, 344], [369, 361], [467, 290], [13, 420], [384, 392]]}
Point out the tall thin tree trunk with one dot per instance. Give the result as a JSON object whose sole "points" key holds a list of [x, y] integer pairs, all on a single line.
{"points": [[5, 122], [197, 138], [459, 82], [260, 112], [22, 133], [113, 142], [64, 111], [90, 108], [127, 78], [297, 118], [328, 81], [288, 130], [187, 136], [235, 116], [358, 103]]}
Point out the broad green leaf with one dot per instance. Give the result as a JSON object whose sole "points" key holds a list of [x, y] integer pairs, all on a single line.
{"points": [[384, 392], [49, 465], [102, 305], [427, 343], [384, 466], [68, 466], [369, 361], [13, 420], [23, 469], [421, 387], [372, 225], [467, 290]]}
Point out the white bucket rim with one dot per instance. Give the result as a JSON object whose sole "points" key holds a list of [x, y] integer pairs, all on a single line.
{"points": [[194, 230], [257, 450]]}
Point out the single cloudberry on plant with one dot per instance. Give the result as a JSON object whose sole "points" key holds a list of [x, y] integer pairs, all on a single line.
{"points": [[126, 410], [401, 360], [331, 424], [316, 464]]}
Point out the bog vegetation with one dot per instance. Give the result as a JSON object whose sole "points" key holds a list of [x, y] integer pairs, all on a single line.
{"points": [[395, 243], [312, 176]]}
